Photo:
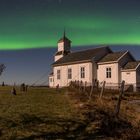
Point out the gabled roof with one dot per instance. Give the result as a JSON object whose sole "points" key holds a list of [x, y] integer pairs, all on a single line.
{"points": [[81, 56], [131, 65], [115, 56]]}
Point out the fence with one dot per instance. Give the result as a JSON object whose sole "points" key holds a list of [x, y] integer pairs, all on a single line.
{"points": [[110, 86]]}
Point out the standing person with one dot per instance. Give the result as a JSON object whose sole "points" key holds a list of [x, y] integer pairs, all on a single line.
{"points": [[13, 91], [3, 84]]}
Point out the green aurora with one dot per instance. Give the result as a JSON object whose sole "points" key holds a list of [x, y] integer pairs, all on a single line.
{"points": [[40, 23]]}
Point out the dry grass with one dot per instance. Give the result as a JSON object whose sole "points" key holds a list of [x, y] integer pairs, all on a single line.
{"points": [[101, 115], [39, 113], [44, 113]]}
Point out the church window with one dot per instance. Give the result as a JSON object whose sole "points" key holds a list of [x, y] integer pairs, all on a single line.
{"points": [[58, 75], [108, 72], [69, 73], [82, 72]]}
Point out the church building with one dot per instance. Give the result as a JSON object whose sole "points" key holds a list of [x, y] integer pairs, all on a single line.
{"points": [[101, 64]]}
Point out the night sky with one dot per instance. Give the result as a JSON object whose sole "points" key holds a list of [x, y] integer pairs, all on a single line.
{"points": [[39, 23], [28, 24]]}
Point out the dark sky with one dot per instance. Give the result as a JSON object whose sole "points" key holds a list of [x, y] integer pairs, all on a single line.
{"points": [[26, 24]]}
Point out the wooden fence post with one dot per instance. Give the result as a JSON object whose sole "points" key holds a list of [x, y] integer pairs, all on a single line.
{"points": [[102, 89], [117, 110], [91, 91], [81, 86], [85, 85], [97, 85]]}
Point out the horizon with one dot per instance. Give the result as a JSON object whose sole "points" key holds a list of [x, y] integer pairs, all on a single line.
{"points": [[28, 66]]}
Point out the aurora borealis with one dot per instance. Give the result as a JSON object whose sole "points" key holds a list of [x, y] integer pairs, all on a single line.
{"points": [[40, 23]]}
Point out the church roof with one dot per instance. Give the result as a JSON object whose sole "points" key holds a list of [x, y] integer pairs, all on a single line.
{"points": [[131, 65], [62, 52], [112, 57], [81, 56], [64, 38]]}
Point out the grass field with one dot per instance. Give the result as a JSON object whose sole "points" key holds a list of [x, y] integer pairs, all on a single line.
{"points": [[39, 113], [47, 114]]}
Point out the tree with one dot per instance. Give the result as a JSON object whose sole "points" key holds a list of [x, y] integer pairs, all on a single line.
{"points": [[2, 68]]}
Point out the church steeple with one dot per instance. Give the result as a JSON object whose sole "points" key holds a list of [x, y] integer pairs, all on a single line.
{"points": [[64, 38], [64, 46]]}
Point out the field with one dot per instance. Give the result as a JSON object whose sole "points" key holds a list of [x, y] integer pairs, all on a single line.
{"points": [[48, 114], [36, 114]]}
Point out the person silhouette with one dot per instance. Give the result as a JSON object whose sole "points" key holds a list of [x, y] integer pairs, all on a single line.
{"points": [[13, 91]]}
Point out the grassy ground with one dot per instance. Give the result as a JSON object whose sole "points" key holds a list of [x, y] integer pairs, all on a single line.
{"points": [[39, 113], [47, 114], [100, 116]]}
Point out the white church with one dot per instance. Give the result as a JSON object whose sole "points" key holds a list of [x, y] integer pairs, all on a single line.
{"points": [[99, 63]]}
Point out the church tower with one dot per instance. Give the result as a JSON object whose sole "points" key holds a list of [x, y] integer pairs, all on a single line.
{"points": [[64, 47]]}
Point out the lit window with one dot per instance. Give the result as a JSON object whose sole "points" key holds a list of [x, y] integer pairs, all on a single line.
{"points": [[108, 72], [69, 73], [58, 74], [82, 72]]}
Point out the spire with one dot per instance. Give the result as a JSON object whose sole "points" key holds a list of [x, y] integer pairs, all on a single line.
{"points": [[64, 33], [64, 38]]}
